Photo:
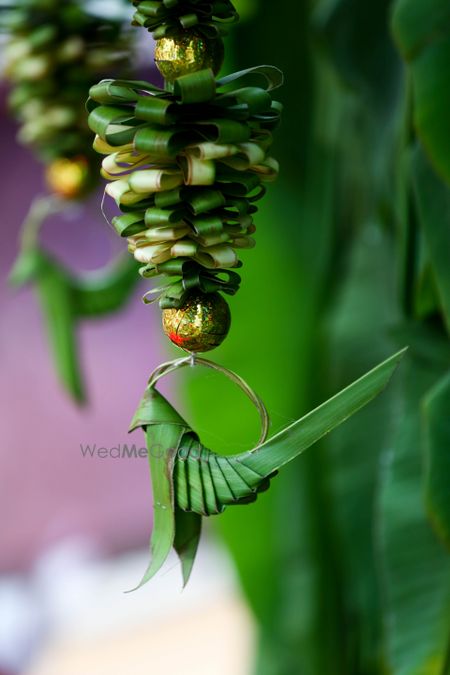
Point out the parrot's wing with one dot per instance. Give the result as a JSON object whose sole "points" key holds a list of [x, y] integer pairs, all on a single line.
{"points": [[206, 483]]}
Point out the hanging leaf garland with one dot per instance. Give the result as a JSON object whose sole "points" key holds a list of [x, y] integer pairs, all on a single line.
{"points": [[185, 165]]}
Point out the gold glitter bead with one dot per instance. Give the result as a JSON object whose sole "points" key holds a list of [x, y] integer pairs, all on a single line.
{"points": [[68, 177], [201, 324], [186, 52]]}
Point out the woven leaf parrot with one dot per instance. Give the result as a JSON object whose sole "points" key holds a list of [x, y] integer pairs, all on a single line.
{"points": [[190, 482]]}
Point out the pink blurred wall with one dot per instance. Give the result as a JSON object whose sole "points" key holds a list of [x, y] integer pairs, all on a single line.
{"points": [[47, 490]]}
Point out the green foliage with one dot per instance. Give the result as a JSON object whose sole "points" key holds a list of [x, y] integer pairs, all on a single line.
{"points": [[362, 313], [415, 565], [422, 31]]}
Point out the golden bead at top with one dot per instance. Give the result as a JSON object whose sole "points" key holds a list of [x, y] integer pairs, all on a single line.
{"points": [[68, 177], [187, 51], [201, 324]]}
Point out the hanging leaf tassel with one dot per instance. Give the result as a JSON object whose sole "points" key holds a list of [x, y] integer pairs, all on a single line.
{"points": [[189, 481], [186, 167]]}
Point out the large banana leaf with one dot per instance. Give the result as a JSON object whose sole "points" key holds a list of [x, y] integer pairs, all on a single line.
{"points": [[360, 48], [422, 31], [364, 311], [415, 564]]}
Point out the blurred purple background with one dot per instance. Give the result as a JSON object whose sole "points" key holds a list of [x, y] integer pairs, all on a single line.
{"points": [[47, 489]]}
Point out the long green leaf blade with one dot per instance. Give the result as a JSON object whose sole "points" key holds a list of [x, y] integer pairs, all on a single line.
{"points": [[297, 437]]}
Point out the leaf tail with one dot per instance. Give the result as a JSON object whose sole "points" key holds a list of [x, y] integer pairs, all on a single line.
{"points": [[290, 442], [188, 528], [159, 552]]}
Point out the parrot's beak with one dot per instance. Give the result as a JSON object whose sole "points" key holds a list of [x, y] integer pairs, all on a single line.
{"points": [[155, 409]]}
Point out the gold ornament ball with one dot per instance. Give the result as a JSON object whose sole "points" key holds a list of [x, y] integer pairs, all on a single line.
{"points": [[186, 52], [200, 324], [68, 178]]}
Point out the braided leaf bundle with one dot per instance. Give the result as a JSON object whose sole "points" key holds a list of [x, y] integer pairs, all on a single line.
{"points": [[186, 167]]}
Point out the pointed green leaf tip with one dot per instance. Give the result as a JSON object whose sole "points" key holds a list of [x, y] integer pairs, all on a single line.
{"points": [[290, 442], [190, 481]]}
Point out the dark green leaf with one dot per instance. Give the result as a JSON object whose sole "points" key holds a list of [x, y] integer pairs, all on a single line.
{"points": [[422, 31], [433, 202], [415, 564]]}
